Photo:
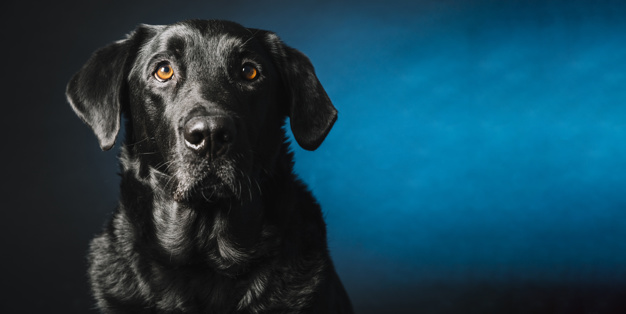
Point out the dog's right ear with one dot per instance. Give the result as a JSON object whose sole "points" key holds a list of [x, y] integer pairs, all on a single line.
{"points": [[98, 90]]}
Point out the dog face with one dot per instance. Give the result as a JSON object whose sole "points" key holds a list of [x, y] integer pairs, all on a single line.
{"points": [[205, 102], [209, 98]]}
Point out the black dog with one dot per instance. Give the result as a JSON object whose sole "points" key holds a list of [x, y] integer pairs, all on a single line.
{"points": [[211, 217]]}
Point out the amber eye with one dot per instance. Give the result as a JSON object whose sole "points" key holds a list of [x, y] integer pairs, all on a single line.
{"points": [[249, 72], [164, 72]]}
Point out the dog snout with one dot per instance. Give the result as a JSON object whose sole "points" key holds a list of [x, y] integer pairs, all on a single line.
{"points": [[210, 135]]}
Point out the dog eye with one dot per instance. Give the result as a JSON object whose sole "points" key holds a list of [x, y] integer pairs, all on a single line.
{"points": [[164, 72], [249, 72]]}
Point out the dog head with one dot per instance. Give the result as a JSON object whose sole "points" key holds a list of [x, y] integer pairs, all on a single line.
{"points": [[205, 102]]}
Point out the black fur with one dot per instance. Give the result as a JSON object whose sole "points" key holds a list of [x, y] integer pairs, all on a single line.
{"points": [[234, 232]]}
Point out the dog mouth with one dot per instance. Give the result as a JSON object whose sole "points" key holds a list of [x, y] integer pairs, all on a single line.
{"points": [[208, 181], [209, 189]]}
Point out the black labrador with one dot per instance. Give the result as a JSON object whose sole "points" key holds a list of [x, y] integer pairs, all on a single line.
{"points": [[212, 218]]}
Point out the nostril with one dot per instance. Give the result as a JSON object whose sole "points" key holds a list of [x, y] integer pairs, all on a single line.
{"points": [[222, 135], [225, 137], [224, 130], [196, 130], [194, 138]]}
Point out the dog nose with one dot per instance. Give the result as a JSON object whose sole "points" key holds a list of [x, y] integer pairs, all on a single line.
{"points": [[212, 134]]}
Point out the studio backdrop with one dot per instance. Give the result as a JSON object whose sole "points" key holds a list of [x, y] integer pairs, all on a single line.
{"points": [[478, 164]]}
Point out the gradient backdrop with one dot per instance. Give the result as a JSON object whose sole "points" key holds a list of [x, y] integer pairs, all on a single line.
{"points": [[478, 164]]}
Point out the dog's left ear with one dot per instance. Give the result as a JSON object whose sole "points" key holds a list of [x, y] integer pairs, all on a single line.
{"points": [[311, 112]]}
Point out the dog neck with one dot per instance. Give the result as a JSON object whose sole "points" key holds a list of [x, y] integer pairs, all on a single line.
{"points": [[224, 233]]}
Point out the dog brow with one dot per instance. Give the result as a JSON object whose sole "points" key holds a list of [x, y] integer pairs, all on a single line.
{"points": [[227, 44], [176, 45]]}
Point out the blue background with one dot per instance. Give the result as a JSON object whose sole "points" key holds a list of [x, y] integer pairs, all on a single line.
{"points": [[478, 164]]}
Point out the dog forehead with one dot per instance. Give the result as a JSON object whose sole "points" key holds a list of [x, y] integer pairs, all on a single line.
{"points": [[202, 39]]}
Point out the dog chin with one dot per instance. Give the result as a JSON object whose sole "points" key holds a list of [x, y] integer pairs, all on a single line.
{"points": [[210, 190]]}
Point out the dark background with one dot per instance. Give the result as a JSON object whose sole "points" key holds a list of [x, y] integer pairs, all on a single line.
{"points": [[478, 164]]}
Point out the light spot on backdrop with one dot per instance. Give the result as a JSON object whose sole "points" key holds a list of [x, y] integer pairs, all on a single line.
{"points": [[482, 142]]}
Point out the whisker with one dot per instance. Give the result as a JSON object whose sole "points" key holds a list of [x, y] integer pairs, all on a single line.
{"points": [[258, 186], [147, 138]]}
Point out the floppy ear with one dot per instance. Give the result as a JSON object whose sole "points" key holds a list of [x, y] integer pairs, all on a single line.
{"points": [[311, 112], [97, 91]]}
